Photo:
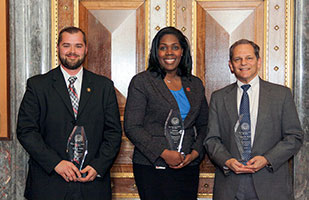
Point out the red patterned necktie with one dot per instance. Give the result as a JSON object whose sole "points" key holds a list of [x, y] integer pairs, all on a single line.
{"points": [[73, 95]]}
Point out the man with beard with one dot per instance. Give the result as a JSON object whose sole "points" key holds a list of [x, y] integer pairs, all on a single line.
{"points": [[56, 103]]}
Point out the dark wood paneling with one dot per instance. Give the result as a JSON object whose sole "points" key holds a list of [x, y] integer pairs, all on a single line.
{"points": [[65, 13], [99, 61], [216, 56], [200, 41], [140, 38], [99, 44]]}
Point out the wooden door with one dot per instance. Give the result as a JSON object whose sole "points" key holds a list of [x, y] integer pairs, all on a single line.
{"points": [[116, 38], [218, 25]]}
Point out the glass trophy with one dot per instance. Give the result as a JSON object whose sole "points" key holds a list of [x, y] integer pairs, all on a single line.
{"points": [[77, 147], [241, 134], [174, 130]]}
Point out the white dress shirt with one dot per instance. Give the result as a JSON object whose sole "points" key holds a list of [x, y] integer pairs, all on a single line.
{"points": [[253, 93]]}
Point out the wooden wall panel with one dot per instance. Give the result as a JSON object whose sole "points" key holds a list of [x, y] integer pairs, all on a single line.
{"points": [[100, 40], [200, 40], [99, 44], [4, 71], [65, 13], [245, 29], [214, 35], [216, 56], [213, 55], [140, 39]]}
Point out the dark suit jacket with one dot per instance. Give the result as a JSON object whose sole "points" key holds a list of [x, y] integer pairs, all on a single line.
{"points": [[148, 105], [278, 137], [45, 121]]}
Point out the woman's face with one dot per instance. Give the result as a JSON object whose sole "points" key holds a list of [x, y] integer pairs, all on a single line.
{"points": [[169, 52]]}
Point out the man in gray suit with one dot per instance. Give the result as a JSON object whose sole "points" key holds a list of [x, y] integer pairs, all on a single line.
{"points": [[253, 131]]}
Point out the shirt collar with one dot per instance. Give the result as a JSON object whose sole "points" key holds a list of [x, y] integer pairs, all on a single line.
{"points": [[79, 75], [254, 82]]}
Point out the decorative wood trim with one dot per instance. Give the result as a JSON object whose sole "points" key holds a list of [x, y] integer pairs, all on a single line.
{"points": [[207, 175], [141, 35], [289, 30], [225, 4], [122, 175], [266, 46], [126, 195], [124, 5], [54, 32], [171, 13], [4, 71], [136, 196], [147, 31], [226, 1], [76, 13], [200, 39], [131, 175], [203, 195], [194, 34]]}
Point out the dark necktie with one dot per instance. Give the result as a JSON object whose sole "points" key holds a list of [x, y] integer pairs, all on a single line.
{"points": [[73, 95], [245, 124]]}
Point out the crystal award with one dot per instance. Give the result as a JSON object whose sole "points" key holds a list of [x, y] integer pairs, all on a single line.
{"points": [[241, 135], [174, 130], [77, 146]]}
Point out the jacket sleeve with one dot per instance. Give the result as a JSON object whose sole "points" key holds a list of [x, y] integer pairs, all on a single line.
{"points": [[213, 141], [292, 134], [201, 123], [110, 145], [28, 129], [135, 113]]}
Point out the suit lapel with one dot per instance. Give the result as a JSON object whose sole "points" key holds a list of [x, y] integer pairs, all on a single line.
{"points": [[159, 85], [263, 110], [230, 102], [86, 91], [61, 88]]}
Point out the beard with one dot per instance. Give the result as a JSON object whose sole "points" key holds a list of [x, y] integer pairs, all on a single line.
{"points": [[71, 65]]}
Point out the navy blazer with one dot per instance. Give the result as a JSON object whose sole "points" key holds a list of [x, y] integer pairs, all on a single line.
{"points": [[148, 105], [45, 121]]}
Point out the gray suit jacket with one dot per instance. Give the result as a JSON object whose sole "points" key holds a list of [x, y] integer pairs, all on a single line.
{"points": [[148, 105], [278, 137]]}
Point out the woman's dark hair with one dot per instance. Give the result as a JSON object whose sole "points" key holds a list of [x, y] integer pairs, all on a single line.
{"points": [[185, 66]]}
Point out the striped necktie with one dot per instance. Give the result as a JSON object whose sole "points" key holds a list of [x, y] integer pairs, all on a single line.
{"points": [[73, 95]]}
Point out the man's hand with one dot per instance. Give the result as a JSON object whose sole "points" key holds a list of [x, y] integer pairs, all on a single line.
{"points": [[91, 174], [172, 158], [67, 170], [188, 159], [238, 167], [257, 163]]}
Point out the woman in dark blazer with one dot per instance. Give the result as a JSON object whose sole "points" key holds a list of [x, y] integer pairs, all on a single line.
{"points": [[167, 84]]}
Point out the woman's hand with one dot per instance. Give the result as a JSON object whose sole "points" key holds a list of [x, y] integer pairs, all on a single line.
{"points": [[172, 158], [188, 159]]}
